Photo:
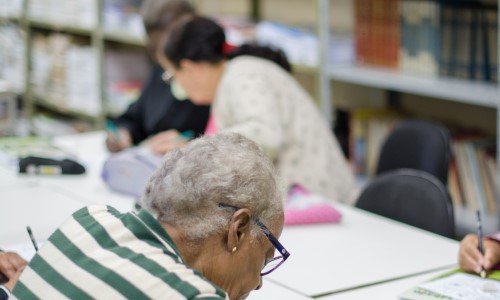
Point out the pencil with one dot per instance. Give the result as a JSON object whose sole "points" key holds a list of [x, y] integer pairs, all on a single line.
{"points": [[480, 242], [32, 238]]}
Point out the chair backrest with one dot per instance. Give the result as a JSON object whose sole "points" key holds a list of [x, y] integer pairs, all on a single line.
{"points": [[413, 197], [417, 144]]}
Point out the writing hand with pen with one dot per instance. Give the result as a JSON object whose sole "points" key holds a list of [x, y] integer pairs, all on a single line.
{"points": [[166, 141], [470, 257], [117, 139]]}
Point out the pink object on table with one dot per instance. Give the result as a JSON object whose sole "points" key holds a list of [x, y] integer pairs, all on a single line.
{"points": [[304, 207], [211, 128]]}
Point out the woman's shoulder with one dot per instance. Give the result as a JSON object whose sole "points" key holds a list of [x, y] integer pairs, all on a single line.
{"points": [[247, 64]]}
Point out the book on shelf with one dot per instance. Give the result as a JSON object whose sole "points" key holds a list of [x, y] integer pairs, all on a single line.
{"points": [[79, 13], [464, 176], [420, 40], [488, 179], [377, 32], [368, 130], [469, 45], [122, 17], [12, 62], [475, 161], [65, 72], [473, 180], [11, 8], [454, 187], [426, 37]]}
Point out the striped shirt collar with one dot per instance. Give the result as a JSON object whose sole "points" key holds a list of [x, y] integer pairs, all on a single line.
{"points": [[156, 227]]}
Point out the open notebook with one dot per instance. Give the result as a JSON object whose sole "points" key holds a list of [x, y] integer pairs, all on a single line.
{"points": [[456, 285]]}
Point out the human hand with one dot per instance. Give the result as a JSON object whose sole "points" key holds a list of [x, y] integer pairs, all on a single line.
{"points": [[166, 141], [471, 260], [11, 265], [117, 144]]}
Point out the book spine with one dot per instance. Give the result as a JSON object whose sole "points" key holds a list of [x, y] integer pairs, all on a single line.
{"points": [[377, 30], [475, 177], [420, 37]]}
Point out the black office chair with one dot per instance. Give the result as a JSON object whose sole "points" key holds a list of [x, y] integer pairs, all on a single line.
{"points": [[417, 144], [413, 197]]}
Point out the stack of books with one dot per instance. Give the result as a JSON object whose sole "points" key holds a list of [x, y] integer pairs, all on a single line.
{"points": [[123, 17], [473, 174], [430, 38], [470, 41], [11, 8], [65, 73], [12, 63], [368, 131], [79, 13]]}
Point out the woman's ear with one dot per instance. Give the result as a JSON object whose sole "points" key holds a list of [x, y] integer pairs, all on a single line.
{"points": [[239, 229]]}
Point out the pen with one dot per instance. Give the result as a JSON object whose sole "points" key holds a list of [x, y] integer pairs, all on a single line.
{"points": [[480, 236], [32, 238], [186, 135], [111, 127]]}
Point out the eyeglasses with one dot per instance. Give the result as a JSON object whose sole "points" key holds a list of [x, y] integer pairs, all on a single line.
{"points": [[167, 76], [277, 261]]}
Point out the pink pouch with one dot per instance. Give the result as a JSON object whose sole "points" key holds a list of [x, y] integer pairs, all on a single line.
{"points": [[211, 128], [304, 207]]}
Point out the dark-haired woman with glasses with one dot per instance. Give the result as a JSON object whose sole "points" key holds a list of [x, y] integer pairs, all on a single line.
{"points": [[257, 98]]}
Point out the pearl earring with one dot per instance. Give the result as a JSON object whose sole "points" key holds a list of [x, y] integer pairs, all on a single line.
{"points": [[234, 249]]}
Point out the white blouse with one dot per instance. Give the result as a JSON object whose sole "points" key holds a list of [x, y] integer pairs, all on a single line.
{"points": [[260, 100]]}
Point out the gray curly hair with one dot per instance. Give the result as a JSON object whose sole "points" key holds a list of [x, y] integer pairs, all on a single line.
{"points": [[225, 168]]}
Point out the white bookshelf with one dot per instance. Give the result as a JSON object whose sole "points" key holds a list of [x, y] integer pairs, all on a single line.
{"points": [[124, 37], [452, 89]]}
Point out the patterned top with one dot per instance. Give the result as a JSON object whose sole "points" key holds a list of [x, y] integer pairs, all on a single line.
{"points": [[100, 253], [260, 100]]}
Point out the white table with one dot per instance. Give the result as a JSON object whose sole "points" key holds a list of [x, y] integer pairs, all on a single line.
{"points": [[89, 149], [271, 290], [362, 249], [44, 202], [37, 206], [386, 291]]}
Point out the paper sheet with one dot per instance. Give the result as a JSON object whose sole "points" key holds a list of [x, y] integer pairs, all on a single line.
{"points": [[462, 286]]}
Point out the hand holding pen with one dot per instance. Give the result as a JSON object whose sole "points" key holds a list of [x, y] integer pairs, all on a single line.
{"points": [[168, 140], [471, 259], [117, 138]]}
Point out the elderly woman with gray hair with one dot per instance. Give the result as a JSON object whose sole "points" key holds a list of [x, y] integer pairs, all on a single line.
{"points": [[212, 213]]}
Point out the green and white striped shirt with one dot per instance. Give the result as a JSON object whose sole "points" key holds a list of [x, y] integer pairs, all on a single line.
{"points": [[100, 253]]}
